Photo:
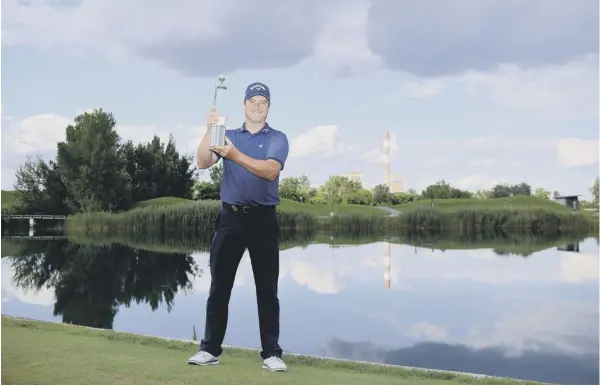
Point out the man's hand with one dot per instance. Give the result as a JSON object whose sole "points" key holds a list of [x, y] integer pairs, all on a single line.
{"points": [[213, 118], [229, 151]]}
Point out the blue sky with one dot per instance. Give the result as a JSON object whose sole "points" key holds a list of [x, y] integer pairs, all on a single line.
{"points": [[472, 92]]}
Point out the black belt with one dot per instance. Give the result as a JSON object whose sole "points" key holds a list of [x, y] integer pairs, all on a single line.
{"points": [[246, 208]]}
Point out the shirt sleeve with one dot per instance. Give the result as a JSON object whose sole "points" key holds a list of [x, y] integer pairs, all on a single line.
{"points": [[279, 149]]}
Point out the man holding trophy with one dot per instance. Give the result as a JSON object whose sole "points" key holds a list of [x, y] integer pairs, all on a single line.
{"points": [[253, 156]]}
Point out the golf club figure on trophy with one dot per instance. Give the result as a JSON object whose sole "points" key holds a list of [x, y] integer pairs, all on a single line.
{"points": [[218, 130]]}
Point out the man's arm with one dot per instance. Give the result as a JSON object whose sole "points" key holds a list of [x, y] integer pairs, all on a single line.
{"points": [[204, 157], [270, 168]]}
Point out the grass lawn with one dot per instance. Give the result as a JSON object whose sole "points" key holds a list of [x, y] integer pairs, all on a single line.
{"points": [[162, 201], [9, 199], [48, 353], [517, 202], [324, 210], [286, 206]]}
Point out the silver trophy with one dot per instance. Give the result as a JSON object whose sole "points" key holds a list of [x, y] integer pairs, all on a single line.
{"points": [[217, 137]]}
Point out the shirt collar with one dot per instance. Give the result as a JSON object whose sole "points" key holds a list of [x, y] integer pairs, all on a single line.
{"points": [[266, 128]]}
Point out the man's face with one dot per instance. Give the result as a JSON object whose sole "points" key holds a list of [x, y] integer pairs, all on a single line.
{"points": [[256, 108]]}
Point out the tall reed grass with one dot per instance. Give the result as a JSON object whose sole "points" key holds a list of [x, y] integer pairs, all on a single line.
{"points": [[198, 218], [195, 219], [536, 221]]}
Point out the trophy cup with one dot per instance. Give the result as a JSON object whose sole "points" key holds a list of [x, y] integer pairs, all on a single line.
{"points": [[218, 130]]}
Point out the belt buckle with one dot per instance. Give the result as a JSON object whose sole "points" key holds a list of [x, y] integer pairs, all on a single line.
{"points": [[244, 209]]}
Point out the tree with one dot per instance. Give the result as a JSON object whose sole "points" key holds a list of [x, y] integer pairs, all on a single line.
{"points": [[381, 193], [91, 166], [39, 188], [210, 190], [405, 197], [216, 174], [296, 188], [156, 170], [442, 189], [501, 191], [542, 193], [338, 189], [483, 194], [522, 189], [595, 190]]}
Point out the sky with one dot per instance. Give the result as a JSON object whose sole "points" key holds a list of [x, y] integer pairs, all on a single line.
{"points": [[472, 92]]}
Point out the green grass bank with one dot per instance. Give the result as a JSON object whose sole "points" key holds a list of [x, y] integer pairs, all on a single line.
{"points": [[176, 215], [36, 352], [508, 203]]}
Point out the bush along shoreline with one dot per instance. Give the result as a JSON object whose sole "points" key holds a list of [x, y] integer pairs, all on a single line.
{"points": [[199, 217]]}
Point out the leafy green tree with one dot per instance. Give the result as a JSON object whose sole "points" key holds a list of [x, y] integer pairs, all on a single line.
{"points": [[210, 190], [442, 189], [381, 194], [483, 194], [39, 188], [158, 170], [296, 188], [339, 189], [522, 189], [216, 174], [361, 197], [595, 190], [501, 191], [405, 197], [91, 166], [542, 193]]}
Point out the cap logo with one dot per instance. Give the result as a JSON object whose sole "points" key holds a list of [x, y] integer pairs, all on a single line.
{"points": [[257, 87]]}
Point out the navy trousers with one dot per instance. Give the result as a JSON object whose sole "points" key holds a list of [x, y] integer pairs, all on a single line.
{"points": [[236, 229]]}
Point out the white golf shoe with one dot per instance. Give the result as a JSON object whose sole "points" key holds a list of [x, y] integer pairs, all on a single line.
{"points": [[203, 358], [274, 364]]}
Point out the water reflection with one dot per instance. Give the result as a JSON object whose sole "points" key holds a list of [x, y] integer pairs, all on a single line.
{"points": [[521, 307], [90, 283]]}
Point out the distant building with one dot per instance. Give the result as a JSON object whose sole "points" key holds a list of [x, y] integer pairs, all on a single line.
{"points": [[568, 201], [569, 247], [355, 176], [396, 183]]}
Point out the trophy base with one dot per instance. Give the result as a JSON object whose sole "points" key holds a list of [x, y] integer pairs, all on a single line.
{"points": [[217, 137]]}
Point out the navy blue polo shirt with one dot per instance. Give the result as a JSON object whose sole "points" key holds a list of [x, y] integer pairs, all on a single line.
{"points": [[240, 186]]}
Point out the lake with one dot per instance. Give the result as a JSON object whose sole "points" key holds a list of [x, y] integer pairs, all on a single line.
{"points": [[479, 308]]}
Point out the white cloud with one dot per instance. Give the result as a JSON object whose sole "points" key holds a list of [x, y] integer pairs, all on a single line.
{"points": [[566, 325], [377, 154], [478, 181], [323, 140], [568, 91], [551, 92], [342, 45], [37, 133], [424, 88], [10, 291], [576, 152], [94, 23], [438, 161], [481, 163], [41, 133]]}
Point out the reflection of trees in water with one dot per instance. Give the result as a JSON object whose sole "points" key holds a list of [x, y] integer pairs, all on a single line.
{"points": [[546, 364], [92, 282]]}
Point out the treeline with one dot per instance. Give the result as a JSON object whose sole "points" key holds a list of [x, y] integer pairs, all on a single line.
{"points": [[341, 189], [95, 171]]}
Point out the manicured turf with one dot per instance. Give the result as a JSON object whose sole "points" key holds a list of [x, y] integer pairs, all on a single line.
{"points": [[162, 201], [287, 206], [36, 352], [9, 199], [516, 202]]}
